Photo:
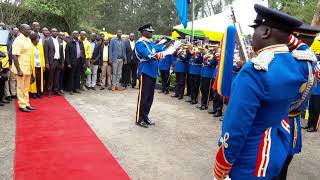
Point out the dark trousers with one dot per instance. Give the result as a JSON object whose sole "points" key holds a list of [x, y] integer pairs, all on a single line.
{"points": [[129, 74], [165, 80], [125, 75], [205, 88], [38, 79], [2, 82], [314, 110], [284, 170], [61, 80], [195, 84], [217, 102], [188, 84], [53, 79], [180, 83], [77, 76], [145, 98]]}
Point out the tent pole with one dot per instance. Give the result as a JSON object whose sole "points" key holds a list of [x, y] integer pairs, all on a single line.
{"points": [[192, 37]]}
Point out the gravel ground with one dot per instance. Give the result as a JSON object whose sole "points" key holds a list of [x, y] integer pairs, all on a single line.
{"points": [[182, 145], [7, 141]]}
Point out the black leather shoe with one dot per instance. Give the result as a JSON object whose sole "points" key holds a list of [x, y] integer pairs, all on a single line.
{"points": [[59, 93], [143, 124], [312, 129], [14, 97], [167, 92], [30, 108], [77, 91], [1, 104], [175, 96], [221, 119], [180, 97], [8, 98], [34, 96], [49, 94], [189, 101], [203, 108], [24, 110], [193, 102], [305, 127], [71, 93], [149, 122], [39, 95], [212, 112], [5, 101], [217, 114]]}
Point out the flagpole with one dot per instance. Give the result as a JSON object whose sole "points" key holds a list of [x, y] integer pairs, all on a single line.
{"points": [[192, 37]]}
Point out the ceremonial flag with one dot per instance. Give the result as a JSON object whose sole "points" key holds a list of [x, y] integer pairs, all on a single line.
{"points": [[182, 8]]}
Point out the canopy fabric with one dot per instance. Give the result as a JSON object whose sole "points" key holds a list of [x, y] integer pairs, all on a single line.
{"points": [[213, 36], [244, 13]]}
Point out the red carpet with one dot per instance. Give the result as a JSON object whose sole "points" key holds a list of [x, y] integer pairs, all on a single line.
{"points": [[55, 143]]}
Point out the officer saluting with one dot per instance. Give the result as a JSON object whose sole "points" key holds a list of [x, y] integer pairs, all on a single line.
{"points": [[148, 53], [253, 143]]}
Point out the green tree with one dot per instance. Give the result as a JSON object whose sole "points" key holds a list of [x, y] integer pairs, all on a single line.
{"points": [[302, 9]]}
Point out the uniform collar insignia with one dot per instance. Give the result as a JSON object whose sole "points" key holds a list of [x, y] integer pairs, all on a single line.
{"points": [[266, 55]]}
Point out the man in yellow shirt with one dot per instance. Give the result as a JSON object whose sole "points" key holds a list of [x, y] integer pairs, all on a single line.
{"points": [[87, 49], [21, 52]]}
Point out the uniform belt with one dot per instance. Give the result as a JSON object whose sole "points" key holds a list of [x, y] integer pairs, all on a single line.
{"points": [[195, 64], [294, 113], [179, 60]]}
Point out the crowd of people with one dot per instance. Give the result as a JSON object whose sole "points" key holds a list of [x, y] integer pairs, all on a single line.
{"points": [[61, 63], [263, 105]]}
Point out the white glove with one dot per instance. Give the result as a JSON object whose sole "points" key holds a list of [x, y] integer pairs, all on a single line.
{"points": [[162, 41], [176, 44], [169, 51]]}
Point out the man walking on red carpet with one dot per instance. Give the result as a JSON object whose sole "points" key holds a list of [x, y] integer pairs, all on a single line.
{"points": [[21, 51]]}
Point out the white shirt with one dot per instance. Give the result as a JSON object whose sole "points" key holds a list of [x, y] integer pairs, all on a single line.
{"points": [[37, 61], [56, 47], [132, 44]]}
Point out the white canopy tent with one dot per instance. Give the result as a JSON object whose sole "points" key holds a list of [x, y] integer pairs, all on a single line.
{"points": [[244, 13]]}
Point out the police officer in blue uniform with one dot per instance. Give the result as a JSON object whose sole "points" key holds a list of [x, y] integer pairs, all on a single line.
{"points": [[181, 69], [164, 68], [252, 144], [149, 54], [195, 74], [207, 74]]}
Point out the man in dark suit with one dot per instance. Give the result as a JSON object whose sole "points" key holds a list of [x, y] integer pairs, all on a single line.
{"points": [[75, 61], [132, 62], [53, 53]]}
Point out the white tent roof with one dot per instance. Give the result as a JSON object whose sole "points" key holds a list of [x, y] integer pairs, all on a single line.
{"points": [[244, 12]]}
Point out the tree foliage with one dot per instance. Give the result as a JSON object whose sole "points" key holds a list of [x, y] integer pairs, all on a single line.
{"points": [[302, 9], [127, 15]]}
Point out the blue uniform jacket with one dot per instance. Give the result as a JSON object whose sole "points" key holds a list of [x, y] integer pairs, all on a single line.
{"points": [[252, 142], [294, 117], [208, 69], [181, 63], [196, 64], [146, 51], [166, 62]]}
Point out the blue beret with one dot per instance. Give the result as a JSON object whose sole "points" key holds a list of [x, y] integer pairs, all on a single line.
{"points": [[274, 18]]}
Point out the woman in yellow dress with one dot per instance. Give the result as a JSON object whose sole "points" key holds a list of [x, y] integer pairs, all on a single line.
{"points": [[38, 66]]}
